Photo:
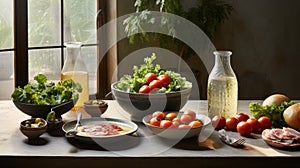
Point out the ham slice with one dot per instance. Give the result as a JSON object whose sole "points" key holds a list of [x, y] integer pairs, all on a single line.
{"points": [[284, 135], [101, 129]]}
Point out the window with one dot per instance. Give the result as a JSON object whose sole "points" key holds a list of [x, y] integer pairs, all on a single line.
{"points": [[37, 38], [6, 49]]}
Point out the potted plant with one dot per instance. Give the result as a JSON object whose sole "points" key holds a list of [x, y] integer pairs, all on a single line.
{"points": [[207, 15]]}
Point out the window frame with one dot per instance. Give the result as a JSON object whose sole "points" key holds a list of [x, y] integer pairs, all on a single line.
{"points": [[21, 48]]}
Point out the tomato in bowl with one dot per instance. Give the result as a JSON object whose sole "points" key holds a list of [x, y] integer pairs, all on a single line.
{"points": [[178, 130], [139, 105]]}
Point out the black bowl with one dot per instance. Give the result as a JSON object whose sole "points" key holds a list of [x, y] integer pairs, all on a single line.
{"points": [[42, 111], [140, 105]]}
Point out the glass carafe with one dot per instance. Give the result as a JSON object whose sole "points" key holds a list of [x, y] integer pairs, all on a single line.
{"points": [[75, 68], [222, 89]]}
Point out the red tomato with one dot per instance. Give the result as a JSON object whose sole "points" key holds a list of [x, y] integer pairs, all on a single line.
{"points": [[171, 116], [191, 113], [150, 77], [175, 124], [195, 124], [159, 114], [244, 128], [231, 123], [242, 117], [144, 89], [164, 79], [177, 119], [186, 119], [254, 124], [165, 123], [265, 122], [184, 126], [219, 122], [155, 84], [155, 121]]}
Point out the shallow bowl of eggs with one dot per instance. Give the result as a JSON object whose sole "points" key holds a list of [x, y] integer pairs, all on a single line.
{"points": [[33, 128], [176, 125]]}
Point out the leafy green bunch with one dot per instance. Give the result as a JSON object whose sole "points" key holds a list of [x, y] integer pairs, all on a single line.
{"points": [[43, 92], [133, 83], [274, 112]]}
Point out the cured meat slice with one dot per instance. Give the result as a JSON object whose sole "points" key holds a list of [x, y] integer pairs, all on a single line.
{"points": [[101, 129], [285, 135]]}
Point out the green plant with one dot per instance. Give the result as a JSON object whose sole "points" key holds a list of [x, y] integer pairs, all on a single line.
{"points": [[208, 15]]}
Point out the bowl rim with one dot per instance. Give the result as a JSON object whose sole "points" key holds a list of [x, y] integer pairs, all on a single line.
{"points": [[43, 105], [33, 129], [90, 104], [113, 87]]}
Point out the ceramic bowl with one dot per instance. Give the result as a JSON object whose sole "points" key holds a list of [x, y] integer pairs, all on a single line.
{"points": [[41, 111], [33, 133], [95, 108], [55, 126], [140, 105], [177, 133]]}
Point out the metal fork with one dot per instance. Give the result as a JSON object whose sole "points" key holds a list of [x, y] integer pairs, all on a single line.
{"points": [[229, 140]]}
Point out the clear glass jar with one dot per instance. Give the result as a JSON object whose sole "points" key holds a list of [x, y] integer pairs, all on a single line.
{"points": [[75, 68], [222, 89]]}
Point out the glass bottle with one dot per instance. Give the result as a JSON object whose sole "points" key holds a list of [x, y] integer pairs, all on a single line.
{"points": [[75, 68], [222, 89]]}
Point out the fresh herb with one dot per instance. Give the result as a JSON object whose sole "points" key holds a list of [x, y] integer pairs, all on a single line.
{"points": [[43, 92], [137, 80], [51, 116], [274, 112]]}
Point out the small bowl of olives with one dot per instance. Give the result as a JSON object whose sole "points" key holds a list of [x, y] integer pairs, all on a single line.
{"points": [[33, 128], [95, 108]]}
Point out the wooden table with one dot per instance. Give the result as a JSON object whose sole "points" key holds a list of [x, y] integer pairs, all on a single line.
{"points": [[57, 151]]}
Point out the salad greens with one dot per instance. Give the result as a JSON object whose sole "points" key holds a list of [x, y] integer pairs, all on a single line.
{"points": [[133, 83], [43, 92], [274, 112]]}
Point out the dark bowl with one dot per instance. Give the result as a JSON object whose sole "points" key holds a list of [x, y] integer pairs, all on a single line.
{"points": [[33, 133], [95, 110], [42, 111], [140, 105]]}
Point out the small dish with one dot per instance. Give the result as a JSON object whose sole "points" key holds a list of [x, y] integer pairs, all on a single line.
{"points": [[177, 133], [95, 108], [33, 132]]}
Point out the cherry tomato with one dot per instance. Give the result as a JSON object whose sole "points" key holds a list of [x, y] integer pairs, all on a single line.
{"points": [[254, 124], [218, 122], [175, 124], [165, 123], [244, 128], [191, 113], [186, 119], [171, 116], [144, 89], [183, 126], [155, 121], [177, 119], [159, 114], [164, 79], [195, 124], [150, 77], [242, 117], [265, 122], [231, 123], [155, 84]]}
